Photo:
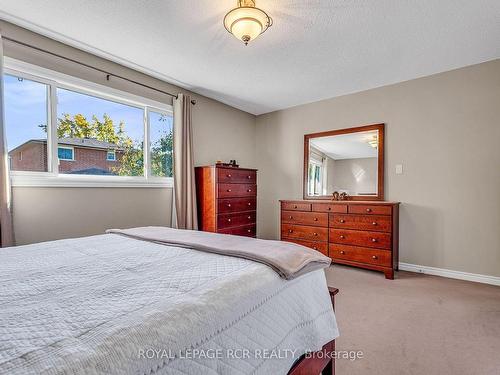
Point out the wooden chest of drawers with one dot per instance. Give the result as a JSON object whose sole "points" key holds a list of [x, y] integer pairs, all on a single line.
{"points": [[227, 200], [356, 233]]}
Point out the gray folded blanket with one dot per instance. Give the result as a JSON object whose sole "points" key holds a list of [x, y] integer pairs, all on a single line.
{"points": [[289, 260]]}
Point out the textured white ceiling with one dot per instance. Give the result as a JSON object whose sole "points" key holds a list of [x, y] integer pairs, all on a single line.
{"points": [[316, 49], [347, 146]]}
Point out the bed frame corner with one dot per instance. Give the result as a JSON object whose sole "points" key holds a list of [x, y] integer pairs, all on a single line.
{"points": [[319, 363]]}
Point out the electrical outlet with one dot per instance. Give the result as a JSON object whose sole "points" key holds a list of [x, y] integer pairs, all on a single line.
{"points": [[399, 168]]}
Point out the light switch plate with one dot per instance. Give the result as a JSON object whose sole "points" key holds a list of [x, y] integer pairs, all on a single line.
{"points": [[399, 168]]}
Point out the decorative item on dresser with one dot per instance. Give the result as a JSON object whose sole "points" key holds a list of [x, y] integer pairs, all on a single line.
{"points": [[227, 199], [356, 233]]}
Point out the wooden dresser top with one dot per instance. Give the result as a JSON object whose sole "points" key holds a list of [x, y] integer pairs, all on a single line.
{"points": [[383, 203], [226, 167]]}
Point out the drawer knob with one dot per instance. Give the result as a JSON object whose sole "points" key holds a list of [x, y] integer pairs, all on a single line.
{"points": [[315, 234], [368, 210], [315, 248], [374, 223], [249, 230], [249, 217], [295, 206], [290, 217], [315, 219], [342, 252], [290, 230], [342, 236], [342, 221], [229, 176], [374, 240], [229, 220], [229, 204], [249, 204], [374, 257], [249, 177], [228, 190], [249, 190], [329, 208]]}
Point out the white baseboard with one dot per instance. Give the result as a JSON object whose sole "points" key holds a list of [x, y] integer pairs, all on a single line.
{"points": [[485, 279]]}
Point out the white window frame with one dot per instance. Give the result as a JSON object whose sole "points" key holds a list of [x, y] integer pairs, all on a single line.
{"points": [[161, 112], [67, 148], [52, 177], [315, 163], [112, 152]]}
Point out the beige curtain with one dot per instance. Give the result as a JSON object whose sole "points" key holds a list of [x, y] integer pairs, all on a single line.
{"points": [[184, 202], [6, 230]]}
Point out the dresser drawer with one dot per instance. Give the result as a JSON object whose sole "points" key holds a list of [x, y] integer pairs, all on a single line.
{"points": [[329, 207], [237, 190], [305, 218], [360, 254], [322, 247], [378, 240], [236, 219], [304, 232], [291, 206], [236, 205], [370, 209], [246, 230], [233, 175], [378, 223]]}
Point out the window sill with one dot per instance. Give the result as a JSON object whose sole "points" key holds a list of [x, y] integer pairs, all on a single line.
{"points": [[73, 181]]}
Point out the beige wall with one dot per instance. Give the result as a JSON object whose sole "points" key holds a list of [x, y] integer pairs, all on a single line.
{"points": [[444, 129], [43, 214], [220, 132], [330, 175], [354, 175]]}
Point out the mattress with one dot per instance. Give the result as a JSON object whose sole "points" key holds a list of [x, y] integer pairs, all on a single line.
{"points": [[110, 304]]}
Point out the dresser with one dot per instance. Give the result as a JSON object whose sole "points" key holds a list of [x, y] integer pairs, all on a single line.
{"points": [[227, 200], [357, 233]]}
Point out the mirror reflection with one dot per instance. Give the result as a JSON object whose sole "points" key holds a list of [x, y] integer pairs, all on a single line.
{"points": [[344, 163]]}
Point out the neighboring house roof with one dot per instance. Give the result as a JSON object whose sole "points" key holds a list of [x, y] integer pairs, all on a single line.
{"points": [[93, 171], [89, 142], [77, 142]]}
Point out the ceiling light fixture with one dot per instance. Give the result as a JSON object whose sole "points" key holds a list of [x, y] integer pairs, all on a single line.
{"points": [[246, 22], [373, 142]]}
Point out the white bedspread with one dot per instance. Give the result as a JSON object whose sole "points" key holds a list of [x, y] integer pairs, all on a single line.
{"points": [[110, 304]]}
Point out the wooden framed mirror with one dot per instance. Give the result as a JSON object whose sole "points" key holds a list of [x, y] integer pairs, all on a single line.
{"points": [[346, 160]]}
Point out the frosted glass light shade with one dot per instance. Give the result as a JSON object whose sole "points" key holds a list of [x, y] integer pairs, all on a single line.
{"points": [[247, 23]]}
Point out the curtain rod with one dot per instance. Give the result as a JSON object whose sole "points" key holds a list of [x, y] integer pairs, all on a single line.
{"points": [[108, 74]]}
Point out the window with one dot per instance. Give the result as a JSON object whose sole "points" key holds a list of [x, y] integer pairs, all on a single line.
{"points": [[317, 172], [26, 119], [315, 179], [65, 153], [161, 139], [70, 130], [94, 125], [111, 155]]}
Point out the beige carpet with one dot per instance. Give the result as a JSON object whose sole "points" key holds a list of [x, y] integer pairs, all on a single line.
{"points": [[416, 324]]}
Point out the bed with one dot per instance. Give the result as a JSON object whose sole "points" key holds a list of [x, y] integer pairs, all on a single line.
{"points": [[115, 304]]}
